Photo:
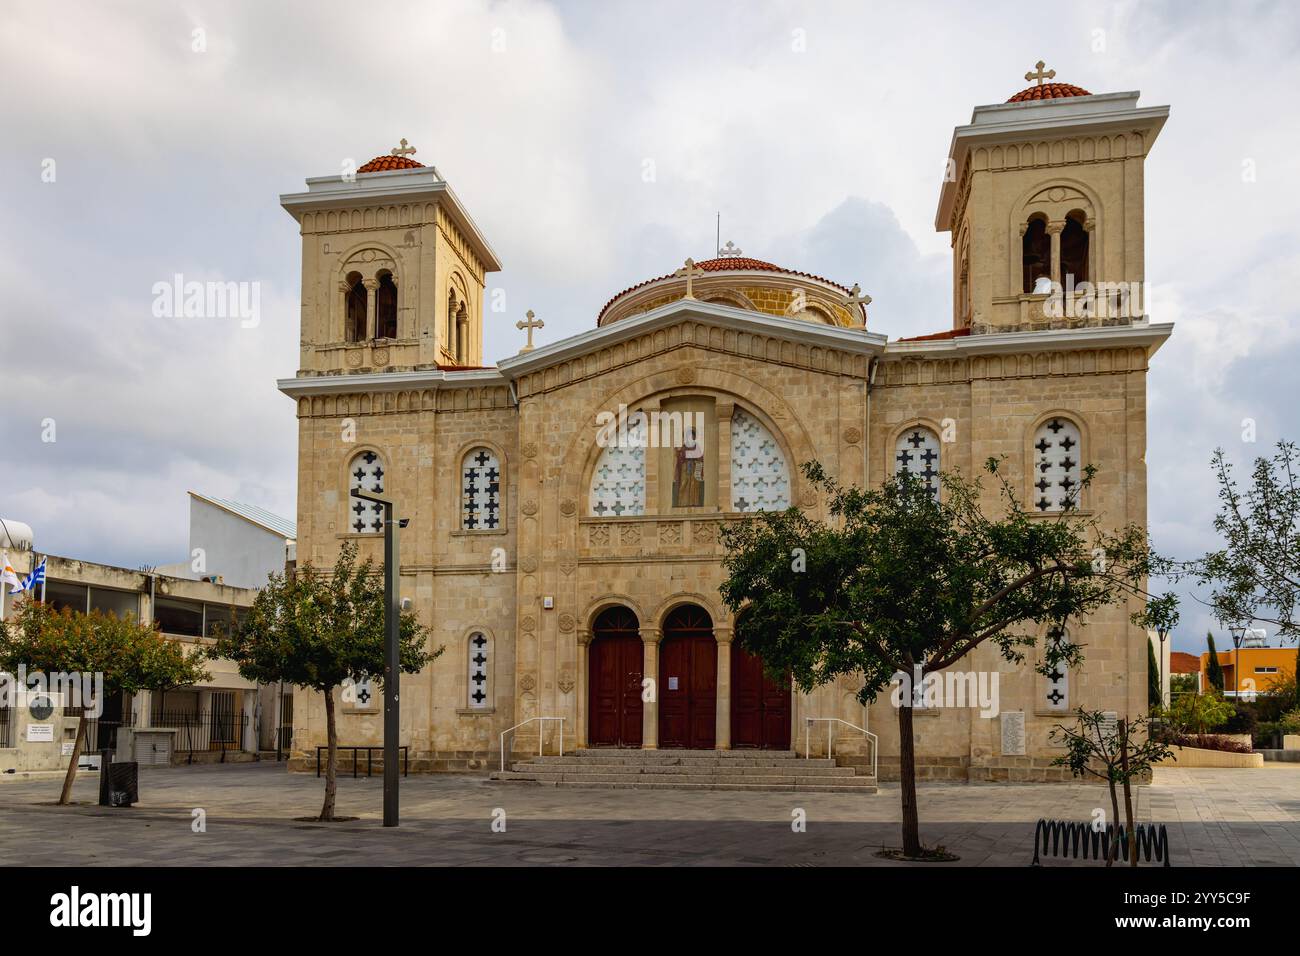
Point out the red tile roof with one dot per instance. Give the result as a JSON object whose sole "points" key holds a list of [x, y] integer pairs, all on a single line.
{"points": [[934, 336], [724, 264], [1048, 91], [381, 163], [1180, 663]]}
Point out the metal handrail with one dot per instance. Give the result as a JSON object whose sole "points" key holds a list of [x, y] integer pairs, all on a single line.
{"points": [[541, 736], [807, 734]]}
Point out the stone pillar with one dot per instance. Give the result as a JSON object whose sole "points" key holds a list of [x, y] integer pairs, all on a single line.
{"points": [[372, 286], [722, 735], [652, 454], [724, 411], [142, 707], [650, 637], [462, 341], [581, 690], [1054, 230], [345, 289]]}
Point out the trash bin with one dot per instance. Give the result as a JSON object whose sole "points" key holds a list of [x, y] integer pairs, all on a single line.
{"points": [[119, 783]]}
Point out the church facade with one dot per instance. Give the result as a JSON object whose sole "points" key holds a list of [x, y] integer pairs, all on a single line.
{"points": [[565, 504]]}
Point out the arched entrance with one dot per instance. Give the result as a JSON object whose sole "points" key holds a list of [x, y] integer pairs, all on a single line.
{"points": [[614, 680], [760, 708], [688, 680]]}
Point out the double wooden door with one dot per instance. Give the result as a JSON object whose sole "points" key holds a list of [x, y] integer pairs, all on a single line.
{"points": [[615, 663], [688, 681]]}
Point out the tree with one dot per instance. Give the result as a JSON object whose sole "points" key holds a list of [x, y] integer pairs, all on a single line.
{"points": [[1155, 698], [1213, 669], [319, 631], [130, 655], [1198, 713], [899, 580], [1091, 743], [1255, 576]]}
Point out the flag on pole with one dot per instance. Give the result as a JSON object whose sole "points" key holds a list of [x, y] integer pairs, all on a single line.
{"points": [[36, 577], [10, 576]]}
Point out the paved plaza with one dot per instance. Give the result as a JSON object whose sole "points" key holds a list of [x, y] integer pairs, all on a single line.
{"points": [[1215, 818]]}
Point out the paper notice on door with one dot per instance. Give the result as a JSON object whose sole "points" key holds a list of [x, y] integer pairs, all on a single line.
{"points": [[672, 683]]}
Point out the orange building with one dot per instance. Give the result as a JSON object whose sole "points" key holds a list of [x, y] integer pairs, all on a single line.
{"points": [[1260, 668]]}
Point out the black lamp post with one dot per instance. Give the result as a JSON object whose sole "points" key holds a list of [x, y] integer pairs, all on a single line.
{"points": [[392, 661], [1162, 632], [1238, 632]]}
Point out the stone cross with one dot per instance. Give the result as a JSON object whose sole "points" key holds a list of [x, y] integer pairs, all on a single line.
{"points": [[857, 297], [405, 150], [689, 270], [729, 251], [530, 325], [1039, 75]]}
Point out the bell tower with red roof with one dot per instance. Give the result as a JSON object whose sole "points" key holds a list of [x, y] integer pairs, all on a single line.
{"points": [[393, 270], [1043, 199]]}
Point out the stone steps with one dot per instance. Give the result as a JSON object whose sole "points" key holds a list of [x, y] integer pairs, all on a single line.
{"points": [[745, 770]]}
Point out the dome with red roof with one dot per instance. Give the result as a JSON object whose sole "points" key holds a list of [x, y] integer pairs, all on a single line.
{"points": [[1048, 91], [384, 163], [743, 282]]}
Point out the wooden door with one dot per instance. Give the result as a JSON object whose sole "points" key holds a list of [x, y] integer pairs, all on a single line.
{"points": [[614, 665], [760, 708], [688, 681]]}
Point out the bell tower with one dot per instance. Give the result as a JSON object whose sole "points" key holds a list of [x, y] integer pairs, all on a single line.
{"points": [[393, 270], [1043, 199]]}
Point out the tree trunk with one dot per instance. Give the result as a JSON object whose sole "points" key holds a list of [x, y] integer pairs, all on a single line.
{"points": [[1128, 795], [331, 757], [907, 781], [71, 776], [1112, 853]]}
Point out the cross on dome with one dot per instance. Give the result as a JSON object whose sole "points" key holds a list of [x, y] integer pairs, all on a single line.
{"points": [[402, 149], [1038, 75]]}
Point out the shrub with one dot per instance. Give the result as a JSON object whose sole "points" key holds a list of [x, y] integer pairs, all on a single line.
{"points": [[1211, 742]]}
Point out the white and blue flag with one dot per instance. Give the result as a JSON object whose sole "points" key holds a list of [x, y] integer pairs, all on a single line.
{"points": [[36, 577]]}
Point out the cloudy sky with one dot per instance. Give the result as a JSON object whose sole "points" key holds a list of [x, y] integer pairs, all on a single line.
{"points": [[818, 130]]}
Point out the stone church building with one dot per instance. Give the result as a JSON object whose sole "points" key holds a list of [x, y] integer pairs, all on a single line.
{"points": [[561, 554]]}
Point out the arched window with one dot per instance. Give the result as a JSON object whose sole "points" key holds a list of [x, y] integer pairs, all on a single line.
{"points": [[386, 308], [1074, 250], [1036, 253], [760, 480], [917, 452], [1056, 690], [480, 492], [355, 303], [366, 470], [618, 481], [1057, 471], [479, 688]]}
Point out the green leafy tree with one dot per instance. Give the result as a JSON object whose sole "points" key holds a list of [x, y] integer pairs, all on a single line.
{"points": [[1154, 697], [898, 580], [319, 631], [1198, 713], [1118, 756], [1213, 669], [1255, 576], [131, 656]]}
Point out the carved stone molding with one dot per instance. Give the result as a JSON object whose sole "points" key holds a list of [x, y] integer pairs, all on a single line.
{"points": [[565, 683], [529, 507], [567, 622], [530, 449], [528, 565], [527, 682], [529, 623], [852, 435], [568, 507]]}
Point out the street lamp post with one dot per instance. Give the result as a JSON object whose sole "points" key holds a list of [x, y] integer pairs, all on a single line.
{"points": [[1238, 632], [392, 661], [1162, 632]]}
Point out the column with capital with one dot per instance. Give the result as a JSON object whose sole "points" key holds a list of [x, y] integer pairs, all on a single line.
{"points": [[580, 688], [1054, 229], [347, 294], [650, 638], [372, 287], [655, 437], [722, 633], [724, 411]]}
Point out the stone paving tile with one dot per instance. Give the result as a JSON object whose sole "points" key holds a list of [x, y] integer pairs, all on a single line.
{"points": [[1216, 817]]}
